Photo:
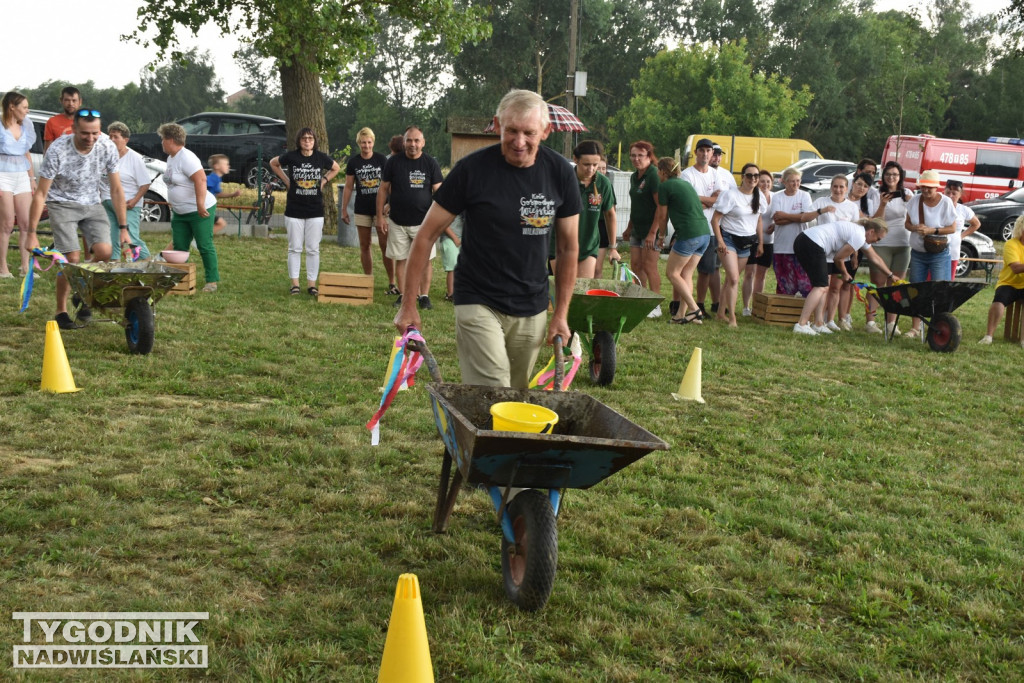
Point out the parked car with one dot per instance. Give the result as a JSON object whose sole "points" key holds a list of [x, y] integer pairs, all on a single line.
{"points": [[245, 138], [997, 215], [974, 246], [816, 178], [157, 188]]}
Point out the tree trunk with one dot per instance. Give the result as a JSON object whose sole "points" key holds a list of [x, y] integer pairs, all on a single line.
{"points": [[304, 107]]}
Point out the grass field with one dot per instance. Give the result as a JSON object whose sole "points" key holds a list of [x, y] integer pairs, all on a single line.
{"points": [[841, 508]]}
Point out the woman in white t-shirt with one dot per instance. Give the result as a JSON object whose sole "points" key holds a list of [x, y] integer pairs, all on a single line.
{"points": [[737, 226], [135, 181], [758, 265], [787, 215], [193, 209], [929, 214], [894, 248], [967, 223], [836, 207], [832, 242]]}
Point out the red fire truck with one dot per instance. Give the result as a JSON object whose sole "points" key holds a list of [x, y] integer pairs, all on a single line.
{"points": [[987, 169]]}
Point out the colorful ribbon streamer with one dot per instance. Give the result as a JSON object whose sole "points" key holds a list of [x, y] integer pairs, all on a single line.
{"points": [[545, 379], [28, 283], [401, 372]]}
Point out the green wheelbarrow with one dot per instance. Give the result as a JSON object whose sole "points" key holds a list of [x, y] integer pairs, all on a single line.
{"points": [[602, 310]]}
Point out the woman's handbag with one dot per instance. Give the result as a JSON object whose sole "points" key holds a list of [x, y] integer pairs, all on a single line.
{"points": [[933, 244]]}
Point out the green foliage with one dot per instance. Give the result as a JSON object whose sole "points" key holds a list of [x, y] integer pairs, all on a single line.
{"points": [[707, 90]]}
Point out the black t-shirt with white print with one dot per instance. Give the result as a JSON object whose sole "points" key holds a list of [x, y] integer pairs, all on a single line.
{"points": [[509, 213], [366, 173]]}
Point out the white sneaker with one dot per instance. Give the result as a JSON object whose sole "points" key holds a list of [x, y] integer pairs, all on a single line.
{"points": [[891, 330], [831, 324], [872, 327], [846, 325], [746, 312], [804, 329], [987, 340], [656, 313], [821, 329], [915, 335]]}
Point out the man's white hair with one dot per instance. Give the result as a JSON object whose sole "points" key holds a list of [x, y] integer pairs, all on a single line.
{"points": [[518, 103]]}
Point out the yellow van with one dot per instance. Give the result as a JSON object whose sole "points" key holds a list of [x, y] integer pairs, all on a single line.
{"points": [[772, 154]]}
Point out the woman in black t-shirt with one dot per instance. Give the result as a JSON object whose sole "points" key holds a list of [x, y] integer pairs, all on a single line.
{"points": [[308, 172], [362, 174]]}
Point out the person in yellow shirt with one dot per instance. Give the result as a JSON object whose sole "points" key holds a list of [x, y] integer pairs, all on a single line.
{"points": [[1010, 287]]}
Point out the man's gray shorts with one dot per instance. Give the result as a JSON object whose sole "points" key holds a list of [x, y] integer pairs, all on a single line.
{"points": [[67, 218]]}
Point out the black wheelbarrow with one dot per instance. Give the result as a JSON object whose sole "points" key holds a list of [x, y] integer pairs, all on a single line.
{"points": [[590, 443], [934, 303]]}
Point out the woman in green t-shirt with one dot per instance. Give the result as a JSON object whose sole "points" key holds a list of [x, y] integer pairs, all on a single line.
{"points": [[644, 243], [680, 204]]}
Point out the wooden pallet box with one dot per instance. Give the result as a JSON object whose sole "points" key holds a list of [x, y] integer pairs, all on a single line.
{"points": [[346, 288], [187, 286], [777, 309]]}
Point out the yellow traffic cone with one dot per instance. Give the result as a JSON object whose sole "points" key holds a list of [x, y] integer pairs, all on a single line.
{"points": [[56, 369], [689, 388], [406, 651]]}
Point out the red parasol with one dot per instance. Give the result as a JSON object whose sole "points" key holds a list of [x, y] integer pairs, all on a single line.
{"points": [[561, 120]]}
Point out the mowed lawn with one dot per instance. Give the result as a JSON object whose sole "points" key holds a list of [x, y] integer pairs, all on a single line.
{"points": [[841, 508]]}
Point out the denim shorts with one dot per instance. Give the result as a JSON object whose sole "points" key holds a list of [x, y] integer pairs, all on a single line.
{"points": [[691, 246], [730, 244]]}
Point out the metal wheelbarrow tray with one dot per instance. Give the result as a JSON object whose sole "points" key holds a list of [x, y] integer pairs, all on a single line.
{"points": [[590, 443], [133, 287], [933, 302]]}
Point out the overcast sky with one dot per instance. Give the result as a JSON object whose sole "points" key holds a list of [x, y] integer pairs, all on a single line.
{"points": [[86, 45]]}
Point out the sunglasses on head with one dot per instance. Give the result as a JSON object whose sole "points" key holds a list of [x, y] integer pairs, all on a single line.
{"points": [[87, 114]]}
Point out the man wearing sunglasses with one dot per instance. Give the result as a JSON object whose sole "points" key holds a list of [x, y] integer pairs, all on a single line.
{"points": [[70, 181]]}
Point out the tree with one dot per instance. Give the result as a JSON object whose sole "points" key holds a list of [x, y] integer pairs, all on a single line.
{"points": [[707, 90], [310, 41], [185, 85]]}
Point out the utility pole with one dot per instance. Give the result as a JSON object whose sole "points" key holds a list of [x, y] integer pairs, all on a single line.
{"points": [[570, 77]]}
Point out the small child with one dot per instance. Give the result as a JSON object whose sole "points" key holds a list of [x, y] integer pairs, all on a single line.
{"points": [[220, 165], [451, 242]]}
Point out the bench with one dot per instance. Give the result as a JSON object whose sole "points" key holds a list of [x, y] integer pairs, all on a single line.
{"points": [[1014, 328], [234, 209], [989, 264]]}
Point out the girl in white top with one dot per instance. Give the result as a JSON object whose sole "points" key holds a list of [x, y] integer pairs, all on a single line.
{"points": [[836, 241], [967, 223], [894, 248], [757, 265], [17, 181], [837, 207], [786, 210], [737, 226]]}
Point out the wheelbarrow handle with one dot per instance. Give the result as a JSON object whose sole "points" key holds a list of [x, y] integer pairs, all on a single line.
{"points": [[559, 362], [428, 359]]}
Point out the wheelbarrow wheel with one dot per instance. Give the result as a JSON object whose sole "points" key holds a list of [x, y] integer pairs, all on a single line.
{"points": [[529, 564], [602, 361], [139, 326], [944, 333]]}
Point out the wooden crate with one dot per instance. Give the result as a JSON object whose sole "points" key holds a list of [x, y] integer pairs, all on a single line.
{"points": [[778, 309], [346, 288], [187, 286], [1014, 327]]}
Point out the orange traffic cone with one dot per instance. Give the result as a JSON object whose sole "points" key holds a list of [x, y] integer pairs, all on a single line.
{"points": [[689, 388], [56, 369], [406, 651]]}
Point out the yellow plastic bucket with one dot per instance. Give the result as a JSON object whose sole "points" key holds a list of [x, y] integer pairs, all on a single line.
{"points": [[512, 416]]}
